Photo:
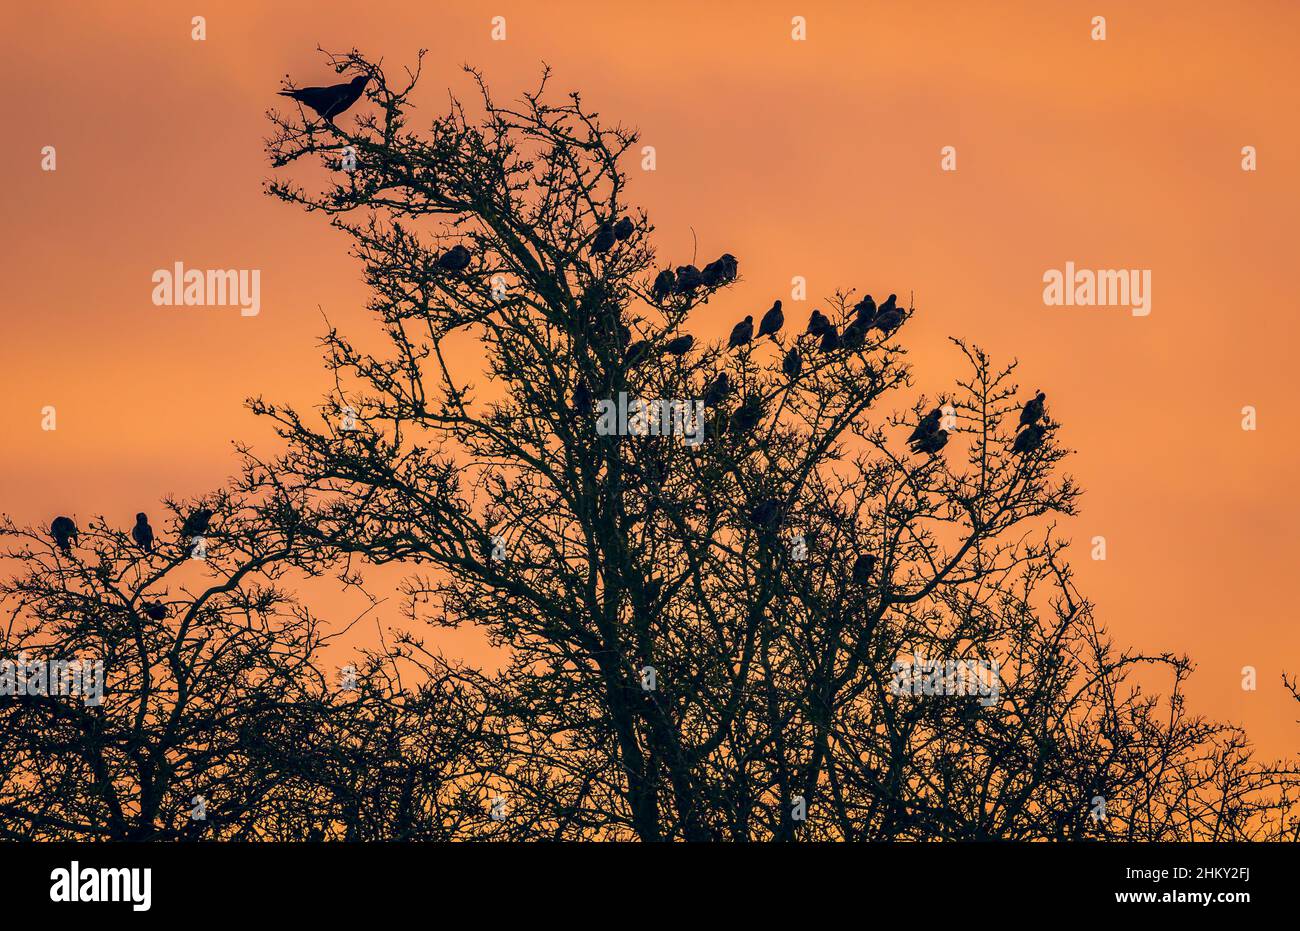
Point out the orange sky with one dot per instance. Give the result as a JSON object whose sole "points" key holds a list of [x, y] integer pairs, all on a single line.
{"points": [[817, 158]]}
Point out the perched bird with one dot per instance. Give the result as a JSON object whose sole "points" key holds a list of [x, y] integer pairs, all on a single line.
{"points": [[863, 567], [1029, 438], [830, 338], [664, 283], [742, 332], [689, 279], [329, 102], [582, 396], [718, 391], [765, 513], [817, 323], [772, 321], [623, 229], [680, 346], [154, 610], [605, 238], [746, 417], [455, 259], [887, 321], [865, 309], [64, 531], [931, 443], [1033, 411], [721, 270], [890, 303], [637, 352], [197, 523], [792, 364], [855, 334], [142, 533], [929, 423]]}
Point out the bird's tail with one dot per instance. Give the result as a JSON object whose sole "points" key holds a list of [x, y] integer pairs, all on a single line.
{"points": [[287, 93]]}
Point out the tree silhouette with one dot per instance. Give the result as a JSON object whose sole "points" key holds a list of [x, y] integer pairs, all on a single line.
{"points": [[687, 652]]}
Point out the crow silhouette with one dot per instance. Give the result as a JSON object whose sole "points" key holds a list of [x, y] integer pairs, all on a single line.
{"points": [[817, 323], [887, 321], [1033, 411], [142, 533], [718, 391], [623, 229], [721, 270], [582, 396], [890, 303], [455, 259], [830, 337], [605, 238], [863, 567], [637, 352], [665, 281], [865, 309], [931, 443], [765, 513], [855, 334], [792, 364], [772, 321], [197, 523], [680, 346], [1029, 438], [742, 332], [64, 531], [154, 610], [329, 102], [747, 416], [929, 423], [689, 279]]}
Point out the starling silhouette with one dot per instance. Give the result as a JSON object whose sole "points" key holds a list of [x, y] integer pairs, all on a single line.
{"points": [[455, 259], [830, 337], [689, 279], [863, 567], [717, 392], [1033, 411], [665, 281], [680, 346], [637, 352], [742, 332], [64, 531], [931, 443], [817, 323], [855, 334], [142, 533], [329, 102], [887, 321], [155, 610], [605, 238], [792, 364], [197, 523], [890, 303], [623, 229], [1029, 438], [772, 321], [765, 513], [929, 423], [865, 309]]}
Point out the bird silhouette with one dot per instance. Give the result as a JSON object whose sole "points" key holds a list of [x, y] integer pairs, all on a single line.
{"points": [[721, 270], [765, 513], [817, 323], [455, 259], [1033, 411], [330, 101], [680, 346], [605, 238], [197, 523], [154, 610], [142, 533], [582, 396], [887, 321], [792, 364], [689, 279], [929, 423], [718, 391], [665, 281], [830, 337], [855, 334], [863, 567], [890, 303], [1029, 438], [623, 229], [865, 309], [931, 443], [64, 531], [747, 416], [742, 332], [772, 321], [637, 352]]}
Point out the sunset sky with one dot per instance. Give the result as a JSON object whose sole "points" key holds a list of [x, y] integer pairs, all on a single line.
{"points": [[818, 158]]}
